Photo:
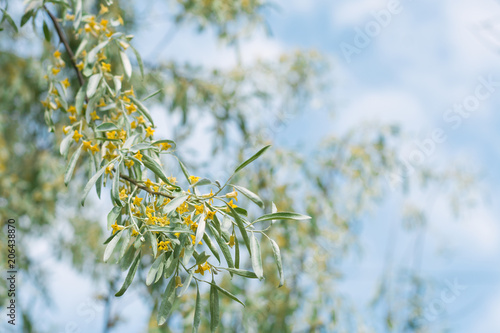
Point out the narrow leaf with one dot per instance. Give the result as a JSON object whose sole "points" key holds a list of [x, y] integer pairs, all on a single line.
{"points": [[130, 275], [256, 257], [277, 258], [71, 165], [251, 159]]}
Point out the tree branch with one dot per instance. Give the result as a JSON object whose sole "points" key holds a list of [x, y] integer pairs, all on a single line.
{"points": [[145, 188], [63, 39]]}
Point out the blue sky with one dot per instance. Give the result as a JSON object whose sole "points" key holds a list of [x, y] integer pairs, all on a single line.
{"points": [[429, 56]]}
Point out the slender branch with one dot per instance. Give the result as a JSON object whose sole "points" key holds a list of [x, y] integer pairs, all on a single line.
{"points": [[63, 39], [145, 188]]}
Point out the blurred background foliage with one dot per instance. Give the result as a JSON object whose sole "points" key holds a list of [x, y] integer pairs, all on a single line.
{"points": [[338, 182]]}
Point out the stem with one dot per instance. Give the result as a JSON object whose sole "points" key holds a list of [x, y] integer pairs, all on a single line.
{"points": [[63, 39], [145, 188]]}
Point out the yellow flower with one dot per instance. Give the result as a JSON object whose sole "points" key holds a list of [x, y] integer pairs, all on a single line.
{"points": [[133, 125], [94, 148], [104, 23], [140, 120], [188, 220], [106, 67], [137, 201], [129, 163], [163, 245], [55, 71], [57, 54], [116, 227], [172, 180], [233, 195], [66, 129], [87, 145], [178, 282], [149, 132], [193, 179], [165, 145], [80, 66], [77, 136], [151, 218], [130, 92], [202, 268], [94, 115], [131, 108], [111, 146], [122, 135], [182, 208], [134, 232], [123, 194], [101, 103], [72, 119], [120, 20], [148, 183], [199, 208], [72, 110], [210, 215], [103, 10], [65, 83], [109, 170], [70, 17], [231, 241], [138, 155], [231, 204], [87, 28], [112, 135], [124, 98]]}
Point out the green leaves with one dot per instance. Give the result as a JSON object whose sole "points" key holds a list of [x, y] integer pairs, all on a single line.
{"points": [[251, 159], [240, 272], [256, 257], [197, 311], [105, 127], [174, 203], [156, 270], [71, 165], [155, 167], [26, 17], [142, 109], [46, 31], [130, 275], [139, 61], [214, 307], [282, 216], [92, 181], [167, 303], [250, 195], [111, 246], [91, 56], [277, 258], [241, 226], [9, 19], [127, 67], [93, 84], [113, 215]]}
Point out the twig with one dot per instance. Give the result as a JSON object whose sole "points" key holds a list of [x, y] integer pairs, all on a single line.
{"points": [[145, 188], [63, 39]]}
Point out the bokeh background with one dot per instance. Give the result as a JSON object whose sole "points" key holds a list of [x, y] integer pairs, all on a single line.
{"points": [[382, 115]]}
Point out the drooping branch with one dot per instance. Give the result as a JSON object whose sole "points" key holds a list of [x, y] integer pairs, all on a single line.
{"points": [[81, 80], [145, 188], [63, 39]]}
